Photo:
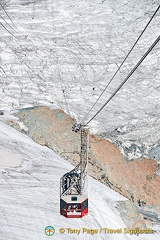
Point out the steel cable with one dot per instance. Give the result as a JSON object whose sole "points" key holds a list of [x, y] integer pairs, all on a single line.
{"points": [[8, 31], [9, 17], [121, 63], [125, 80], [8, 24]]}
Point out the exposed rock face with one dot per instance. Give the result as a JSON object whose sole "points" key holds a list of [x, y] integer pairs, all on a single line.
{"points": [[135, 180], [75, 49], [151, 212], [130, 216]]}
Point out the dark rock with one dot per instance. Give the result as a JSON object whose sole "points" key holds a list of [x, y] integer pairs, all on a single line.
{"points": [[1, 113], [130, 215]]}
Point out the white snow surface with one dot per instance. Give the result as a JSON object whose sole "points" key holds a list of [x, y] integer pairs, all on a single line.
{"points": [[75, 47], [29, 199]]}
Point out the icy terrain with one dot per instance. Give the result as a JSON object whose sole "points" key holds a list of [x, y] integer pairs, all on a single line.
{"points": [[70, 50], [30, 195]]}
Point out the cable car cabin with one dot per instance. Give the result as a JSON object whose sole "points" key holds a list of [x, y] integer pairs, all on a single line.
{"points": [[74, 206], [73, 185]]}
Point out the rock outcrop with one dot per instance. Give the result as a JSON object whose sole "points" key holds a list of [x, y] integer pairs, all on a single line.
{"points": [[136, 180], [131, 217]]}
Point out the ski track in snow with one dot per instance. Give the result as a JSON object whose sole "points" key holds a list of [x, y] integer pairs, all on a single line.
{"points": [[30, 195]]}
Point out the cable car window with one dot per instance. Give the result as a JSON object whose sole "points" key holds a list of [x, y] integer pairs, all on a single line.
{"points": [[62, 204], [84, 205], [73, 207], [73, 198]]}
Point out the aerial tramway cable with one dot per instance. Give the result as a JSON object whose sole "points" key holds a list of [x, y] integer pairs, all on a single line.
{"points": [[9, 18], [8, 30], [8, 23], [121, 63], [125, 80]]}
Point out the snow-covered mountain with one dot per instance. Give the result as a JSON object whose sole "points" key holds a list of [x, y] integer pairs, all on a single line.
{"points": [[29, 185], [63, 54]]}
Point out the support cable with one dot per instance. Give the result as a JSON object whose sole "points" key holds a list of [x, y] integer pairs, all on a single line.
{"points": [[8, 23], [9, 17], [125, 80], [8, 30], [3, 71], [121, 63]]}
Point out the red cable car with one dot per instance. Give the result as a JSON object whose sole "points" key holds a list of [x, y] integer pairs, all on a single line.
{"points": [[73, 185], [74, 206]]}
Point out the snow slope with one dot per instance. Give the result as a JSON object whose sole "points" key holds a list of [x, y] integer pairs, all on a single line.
{"points": [[75, 47], [30, 195]]}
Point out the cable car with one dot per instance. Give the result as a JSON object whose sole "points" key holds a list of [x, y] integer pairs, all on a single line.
{"points": [[73, 185], [74, 206]]}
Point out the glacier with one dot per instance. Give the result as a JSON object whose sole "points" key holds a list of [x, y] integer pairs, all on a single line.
{"points": [[63, 54], [29, 202]]}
